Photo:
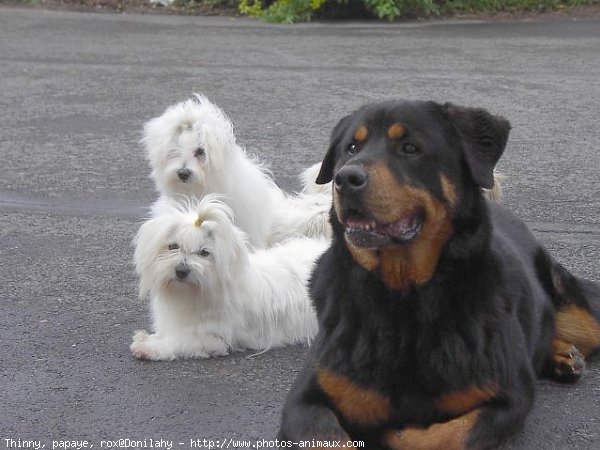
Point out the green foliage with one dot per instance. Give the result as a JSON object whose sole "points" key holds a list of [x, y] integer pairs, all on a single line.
{"points": [[384, 8], [289, 11], [392, 9], [281, 11]]}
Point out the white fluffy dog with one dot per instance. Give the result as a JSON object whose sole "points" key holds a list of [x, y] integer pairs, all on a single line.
{"points": [[193, 152], [211, 295], [309, 186]]}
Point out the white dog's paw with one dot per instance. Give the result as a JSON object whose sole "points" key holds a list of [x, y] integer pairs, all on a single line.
{"points": [[201, 347], [140, 351], [217, 351], [140, 336], [150, 347], [160, 348]]}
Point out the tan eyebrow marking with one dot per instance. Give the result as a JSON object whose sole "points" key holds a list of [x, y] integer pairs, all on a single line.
{"points": [[396, 131], [361, 133]]}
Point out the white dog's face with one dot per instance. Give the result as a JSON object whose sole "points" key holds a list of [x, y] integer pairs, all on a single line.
{"points": [[187, 145], [183, 252]]}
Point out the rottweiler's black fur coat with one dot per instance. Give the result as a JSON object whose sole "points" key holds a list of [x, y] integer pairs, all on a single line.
{"points": [[446, 355]]}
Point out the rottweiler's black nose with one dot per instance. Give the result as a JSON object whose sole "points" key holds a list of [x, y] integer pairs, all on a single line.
{"points": [[181, 271], [351, 179], [184, 174]]}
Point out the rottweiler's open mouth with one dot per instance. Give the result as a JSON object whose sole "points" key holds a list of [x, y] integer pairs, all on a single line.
{"points": [[362, 231]]}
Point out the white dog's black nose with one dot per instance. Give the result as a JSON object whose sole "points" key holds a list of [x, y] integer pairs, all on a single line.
{"points": [[181, 271], [184, 174]]}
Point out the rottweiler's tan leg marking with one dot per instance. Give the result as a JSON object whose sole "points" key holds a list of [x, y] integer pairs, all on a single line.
{"points": [[362, 406], [577, 326], [466, 400], [450, 435]]}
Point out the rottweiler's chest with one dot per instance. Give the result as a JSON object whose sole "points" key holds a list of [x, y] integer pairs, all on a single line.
{"points": [[372, 406]]}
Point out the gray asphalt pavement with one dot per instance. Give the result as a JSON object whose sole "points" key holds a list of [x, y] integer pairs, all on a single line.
{"points": [[75, 89]]}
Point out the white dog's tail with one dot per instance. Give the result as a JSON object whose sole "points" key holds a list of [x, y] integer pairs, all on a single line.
{"points": [[308, 178]]}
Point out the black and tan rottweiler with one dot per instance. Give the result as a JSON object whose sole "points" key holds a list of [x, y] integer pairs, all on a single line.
{"points": [[437, 308]]}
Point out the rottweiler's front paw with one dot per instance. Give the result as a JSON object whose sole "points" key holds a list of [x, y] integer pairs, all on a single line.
{"points": [[568, 363]]}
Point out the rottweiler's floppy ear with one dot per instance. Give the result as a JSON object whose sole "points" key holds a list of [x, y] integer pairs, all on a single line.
{"points": [[484, 136], [326, 173]]}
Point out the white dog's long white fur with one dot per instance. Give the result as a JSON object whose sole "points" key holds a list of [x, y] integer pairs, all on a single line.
{"points": [[224, 297], [193, 152], [196, 136]]}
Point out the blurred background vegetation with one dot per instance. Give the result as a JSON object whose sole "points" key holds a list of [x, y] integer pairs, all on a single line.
{"points": [[290, 11]]}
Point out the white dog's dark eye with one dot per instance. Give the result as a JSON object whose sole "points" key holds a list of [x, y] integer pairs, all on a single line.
{"points": [[204, 253], [199, 152], [173, 246]]}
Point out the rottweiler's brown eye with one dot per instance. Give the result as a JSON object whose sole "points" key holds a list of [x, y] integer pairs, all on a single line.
{"points": [[352, 148], [199, 152], [410, 149]]}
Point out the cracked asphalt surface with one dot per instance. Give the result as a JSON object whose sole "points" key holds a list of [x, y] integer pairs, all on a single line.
{"points": [[75, 89]]}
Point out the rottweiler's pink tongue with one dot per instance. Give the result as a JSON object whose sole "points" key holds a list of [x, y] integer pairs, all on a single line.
{"points": [[404, 229], [367, 233]]}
